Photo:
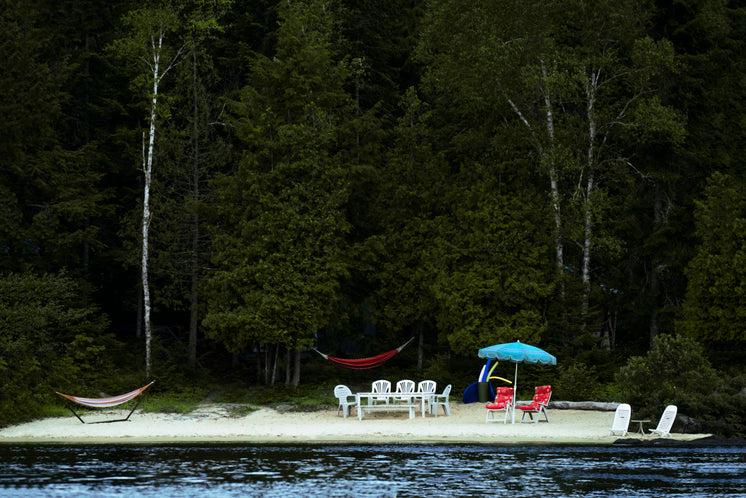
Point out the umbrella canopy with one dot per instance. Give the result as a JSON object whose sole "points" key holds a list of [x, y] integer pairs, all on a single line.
{"points": [[517, 352]]}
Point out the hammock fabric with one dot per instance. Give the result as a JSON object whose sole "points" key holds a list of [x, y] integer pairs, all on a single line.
{"points": [[105, 402], [364, 363]]}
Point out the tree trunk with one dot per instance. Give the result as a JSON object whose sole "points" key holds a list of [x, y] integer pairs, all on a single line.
{"points": [[655, 267], [547, 156], [195, 273], [148, 170], [274, 366], [267, 357], [287, 367], [258, 365], [420, 350], [553, 181], [296, 370], [590, 89]]}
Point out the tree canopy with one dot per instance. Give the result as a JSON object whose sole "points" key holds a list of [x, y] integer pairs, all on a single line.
{"points": [[353, 174]]}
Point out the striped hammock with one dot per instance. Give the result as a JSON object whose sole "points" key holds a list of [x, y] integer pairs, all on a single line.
{"points": [[105, 402], [364, 363]]}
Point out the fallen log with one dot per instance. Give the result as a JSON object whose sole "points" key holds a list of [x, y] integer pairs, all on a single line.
{"points": [[583, 405]]}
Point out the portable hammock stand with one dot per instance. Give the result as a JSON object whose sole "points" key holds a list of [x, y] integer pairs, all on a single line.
{"points": [[365, 363], [105, 403]]}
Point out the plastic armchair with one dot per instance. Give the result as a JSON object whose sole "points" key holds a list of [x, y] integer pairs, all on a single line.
{"points": [[442, 400], [404, 386], [381, 386], [503, 401], [666, 422], [343, 394], [538, 405], [427, 387], [620, 424]]}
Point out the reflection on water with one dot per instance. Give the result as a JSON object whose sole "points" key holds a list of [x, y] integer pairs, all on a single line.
{"points": [[337, 470]]}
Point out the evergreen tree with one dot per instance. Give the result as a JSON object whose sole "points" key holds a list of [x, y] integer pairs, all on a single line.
{"points": [[280, 233], [713, 311]]}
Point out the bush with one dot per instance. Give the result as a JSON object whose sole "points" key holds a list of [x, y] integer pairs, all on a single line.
{"points": [[48, 341], [676, 372]]}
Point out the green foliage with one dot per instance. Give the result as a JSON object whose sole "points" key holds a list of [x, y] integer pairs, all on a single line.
{"points": [[172, 402], [281, 256], [48, 341], [576, 382], [715, 309], [675, 371]]}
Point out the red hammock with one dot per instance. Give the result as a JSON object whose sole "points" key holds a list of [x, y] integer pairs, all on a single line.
{"points": [[365, 363]]}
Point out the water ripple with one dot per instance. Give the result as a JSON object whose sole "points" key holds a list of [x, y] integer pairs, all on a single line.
{"points": [[344, 470]]}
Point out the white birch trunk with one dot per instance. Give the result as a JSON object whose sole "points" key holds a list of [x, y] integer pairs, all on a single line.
{"points": [[591, 90], [148, 170], [548, 157], [553, 183]]}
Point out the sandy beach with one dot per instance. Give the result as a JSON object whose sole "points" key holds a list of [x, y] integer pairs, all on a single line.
{"points": [[215, 423]]}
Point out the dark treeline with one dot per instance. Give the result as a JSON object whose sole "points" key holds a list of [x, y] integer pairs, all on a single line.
{"points": [[237, 181]]}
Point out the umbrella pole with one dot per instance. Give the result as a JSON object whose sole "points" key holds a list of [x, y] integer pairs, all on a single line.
{"points": [[515, 389]]}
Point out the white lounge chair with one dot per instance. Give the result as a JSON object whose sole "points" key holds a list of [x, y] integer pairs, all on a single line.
{"points": [[666, 422], [343, 394], [442, 400], [381, 386], [621, 420], [427, 387], [404, 387]]}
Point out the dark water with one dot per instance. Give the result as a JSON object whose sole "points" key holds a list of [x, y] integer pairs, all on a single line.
{"points": [[406, 470]]}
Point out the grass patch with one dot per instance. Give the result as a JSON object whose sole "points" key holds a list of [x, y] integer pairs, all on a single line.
{"points": [[170, 403], [241, 410]]}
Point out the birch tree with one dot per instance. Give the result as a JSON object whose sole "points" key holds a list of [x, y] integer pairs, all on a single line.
{"points": [[148, 43], [580, 79]]}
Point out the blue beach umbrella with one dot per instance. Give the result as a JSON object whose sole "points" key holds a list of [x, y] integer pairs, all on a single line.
{"points": [[517, 352]]}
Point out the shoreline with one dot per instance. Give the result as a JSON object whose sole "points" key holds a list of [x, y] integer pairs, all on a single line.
{"points": [[216, 424]]}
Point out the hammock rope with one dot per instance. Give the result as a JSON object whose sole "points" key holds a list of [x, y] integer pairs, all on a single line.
{"points": [[365, 363]]}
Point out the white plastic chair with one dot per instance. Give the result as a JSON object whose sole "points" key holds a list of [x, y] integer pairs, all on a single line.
{"points": [[666, 422], [427, 387], [343, 393], [381, 386], [404, 386], [621, 420], [442, 400]]}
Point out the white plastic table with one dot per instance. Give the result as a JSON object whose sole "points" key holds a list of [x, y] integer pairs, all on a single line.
{"points": [[410, 403]]}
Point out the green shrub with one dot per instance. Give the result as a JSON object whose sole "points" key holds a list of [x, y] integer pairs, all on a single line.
{"points": [[576, 382], [675, 371]]}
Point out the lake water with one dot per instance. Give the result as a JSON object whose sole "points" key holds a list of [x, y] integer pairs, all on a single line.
{"points": [[394, 470]]}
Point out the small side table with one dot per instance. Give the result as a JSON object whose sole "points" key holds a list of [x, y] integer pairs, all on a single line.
{"points": [[640, 430]]}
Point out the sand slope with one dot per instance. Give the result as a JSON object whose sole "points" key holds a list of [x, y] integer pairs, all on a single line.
{"points": [[214, 423]]}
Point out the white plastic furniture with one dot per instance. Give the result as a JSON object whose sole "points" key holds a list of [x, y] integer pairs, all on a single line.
{"points": [[620, 425], [381, 386], [427, 387], [442, 400], [404, 387], [666, 422], [343, 394], [366, 403]]}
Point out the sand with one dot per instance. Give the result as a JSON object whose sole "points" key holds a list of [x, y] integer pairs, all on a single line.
{"points": [[216, 423]]}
